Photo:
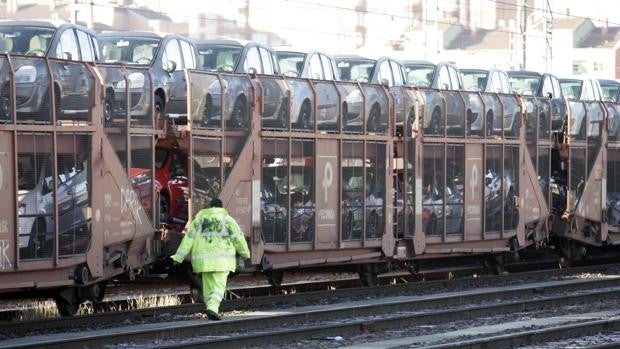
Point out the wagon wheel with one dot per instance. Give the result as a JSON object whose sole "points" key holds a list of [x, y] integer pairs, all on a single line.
{"points": [[368, 275], [67, 307], [274, 277]]}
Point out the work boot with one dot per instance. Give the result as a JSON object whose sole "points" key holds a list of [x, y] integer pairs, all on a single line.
{"points": [[213, 315]]}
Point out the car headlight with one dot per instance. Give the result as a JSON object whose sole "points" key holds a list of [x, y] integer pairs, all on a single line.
{"points": [[136, 80], [21, 209], [26, 73]]}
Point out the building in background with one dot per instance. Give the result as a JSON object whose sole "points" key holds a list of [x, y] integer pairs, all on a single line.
{"points": [[569, 37]]}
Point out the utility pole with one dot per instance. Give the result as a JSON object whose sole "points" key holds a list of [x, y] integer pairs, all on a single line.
{"points": [[523, 11], [548, 27]]}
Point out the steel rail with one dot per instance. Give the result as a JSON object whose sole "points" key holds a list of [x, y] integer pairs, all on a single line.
{"points": [[369, 308]]}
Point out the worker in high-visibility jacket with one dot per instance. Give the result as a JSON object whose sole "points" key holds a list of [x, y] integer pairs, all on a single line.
{"points": [[214, 240]]}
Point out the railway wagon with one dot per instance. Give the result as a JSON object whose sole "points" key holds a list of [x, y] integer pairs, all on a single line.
{"points": [[346, 196], [586, 168], [79, 200]]}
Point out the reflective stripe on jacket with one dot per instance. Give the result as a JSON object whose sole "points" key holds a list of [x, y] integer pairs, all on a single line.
{"points": [[214, 239]]}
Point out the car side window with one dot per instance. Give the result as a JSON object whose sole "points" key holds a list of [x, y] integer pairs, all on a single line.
{"points": [[398, 74], [95, 44], [454, 79], [505, 83], [252, 60], [588, 93], [315, 70], [443, 78], [86, 46], [557, 90], [67, 47], [547, 87], [328, 69], [267, 63], [496, 84], [189, 57], [172, 54], [385, 73]]}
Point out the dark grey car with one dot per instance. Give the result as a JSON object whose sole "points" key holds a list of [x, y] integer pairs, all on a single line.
{"points": [[167, 56], [241, 57], [71, 81]]}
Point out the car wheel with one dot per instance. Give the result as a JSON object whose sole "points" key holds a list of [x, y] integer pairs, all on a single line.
{"points": [[283, 115], [431, 226], [373, 225], [164, 209], [5, 105], [107, 113], [159, 108], [208, 112], [374, 119], [305, 114], [239, 114], [435, 125], [489, 124], [348, 227], [36, 243]]}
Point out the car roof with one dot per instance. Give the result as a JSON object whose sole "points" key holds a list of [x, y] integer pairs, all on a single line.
{"points": [[33, 22], [229, 42], [417, 62], [608, 82], [351, 57], [136, 34], [523, 73]]}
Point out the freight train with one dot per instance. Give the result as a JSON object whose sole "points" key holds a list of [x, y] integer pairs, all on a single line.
{"points": [[106, 192]]}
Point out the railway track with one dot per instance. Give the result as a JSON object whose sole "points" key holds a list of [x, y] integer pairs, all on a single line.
{"points": [[353, 311]]}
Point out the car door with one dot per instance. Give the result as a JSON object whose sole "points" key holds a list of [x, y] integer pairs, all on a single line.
{"points": [[174, 78], [397, 92], [328, 97], [69, 76], [272, 90]]}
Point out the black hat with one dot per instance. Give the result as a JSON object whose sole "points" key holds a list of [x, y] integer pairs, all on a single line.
{"points": [[215, 202]]}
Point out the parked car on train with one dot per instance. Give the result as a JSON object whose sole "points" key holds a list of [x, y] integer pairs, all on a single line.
{"points": [[613, 208], [241, 57], [171, 173], [353, 203], [546, 85], [167, 56], [441, 76], [316, 65], [582, 89], [52, 39], [384, 70], [489, 81], [36, 201], [433, 214], [611, 94]]}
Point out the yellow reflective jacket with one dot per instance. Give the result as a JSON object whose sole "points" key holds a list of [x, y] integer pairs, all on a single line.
{"points": [[213, 239]]}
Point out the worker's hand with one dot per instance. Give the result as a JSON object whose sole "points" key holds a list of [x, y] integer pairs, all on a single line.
{"points": [[175, 260], [240, 264]]}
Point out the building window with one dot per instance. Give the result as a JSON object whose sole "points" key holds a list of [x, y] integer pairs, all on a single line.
{"points": [[579, 67], [598, 66]]}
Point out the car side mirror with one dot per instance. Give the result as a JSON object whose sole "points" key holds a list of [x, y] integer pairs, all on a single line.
{"points": [[550, 95], [385, 82], [67, 55], [445, 86], [252, 71], [170, 66]]}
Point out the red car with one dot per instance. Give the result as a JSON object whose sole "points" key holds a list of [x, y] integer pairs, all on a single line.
{"points": [[171, 173]]}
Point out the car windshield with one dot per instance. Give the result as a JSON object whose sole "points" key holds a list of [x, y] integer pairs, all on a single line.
{"points": [[25, 40], [610, 92], [420, 75], [139, 51], [219, 57], [291, 63], [474, 80], [571, 89], [356, 70], [524, 84]]}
